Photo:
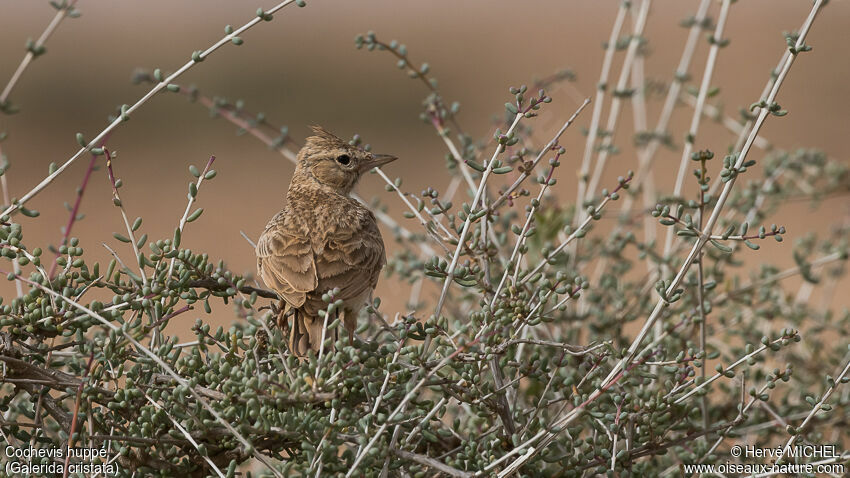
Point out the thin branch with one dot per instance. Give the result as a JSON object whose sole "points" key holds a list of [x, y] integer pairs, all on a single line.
{"points": [[185, 434], [543, 187], [185, 216], [616, 105], [790, 272], [116, 200], [73, 217], [579, 232], [526, 173], [544, 437], [431, 463], [180, 380], [712, 112], [601, 86], [448, 236], [76, 413], [710, 62], [126, 112], [6, 200], [815, 409], [718, 375], [472, 210], [37, 46]]}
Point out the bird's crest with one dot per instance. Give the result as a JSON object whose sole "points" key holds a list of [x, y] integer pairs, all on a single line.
{"points": [[324, 139]]}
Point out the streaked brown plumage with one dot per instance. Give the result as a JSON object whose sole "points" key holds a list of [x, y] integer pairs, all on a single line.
{"points": [[322, 239]]}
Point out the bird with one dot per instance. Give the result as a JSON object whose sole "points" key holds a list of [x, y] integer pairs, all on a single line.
{"points": [[322, 241]]}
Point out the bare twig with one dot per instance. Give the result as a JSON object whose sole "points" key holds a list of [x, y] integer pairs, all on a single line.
{"points": [[815, 409], [431, 463], [520, 239], [76, 413], [262, 459], [545, 436], [36, 47], [116, 200], [126, 112], [472, 210], [616, 105], [595, 118]]}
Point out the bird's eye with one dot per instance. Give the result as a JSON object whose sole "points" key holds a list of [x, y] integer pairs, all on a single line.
{"points": [[343, 159]]}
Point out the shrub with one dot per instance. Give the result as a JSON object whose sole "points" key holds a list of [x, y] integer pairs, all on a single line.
{"points": [[559, 345]]}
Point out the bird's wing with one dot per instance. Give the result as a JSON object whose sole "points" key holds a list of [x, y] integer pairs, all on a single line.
{"points": [[286, 264], [352, 261]]}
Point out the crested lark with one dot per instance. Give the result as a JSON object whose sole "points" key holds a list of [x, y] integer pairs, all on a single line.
{"points": [[322, 239]]}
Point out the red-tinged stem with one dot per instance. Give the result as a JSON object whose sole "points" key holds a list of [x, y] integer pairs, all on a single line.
{"points": [[75, 210], [74, 418]]}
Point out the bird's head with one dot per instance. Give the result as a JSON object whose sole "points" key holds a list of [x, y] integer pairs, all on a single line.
{"points": [[333, 163]]}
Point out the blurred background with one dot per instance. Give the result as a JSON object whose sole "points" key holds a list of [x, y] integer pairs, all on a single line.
{"points": [[302, 69]]}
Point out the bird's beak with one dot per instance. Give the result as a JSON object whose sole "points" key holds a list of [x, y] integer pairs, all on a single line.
{"points": [[375, 161]]}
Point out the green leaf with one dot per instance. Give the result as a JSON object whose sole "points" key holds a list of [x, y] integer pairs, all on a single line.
{"points": [[475, 166], [466, 282], [752, 245], [195, 214], [721, 247]]}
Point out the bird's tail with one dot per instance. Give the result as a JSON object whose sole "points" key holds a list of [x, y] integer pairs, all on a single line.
{"points": [[306, 332]]}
